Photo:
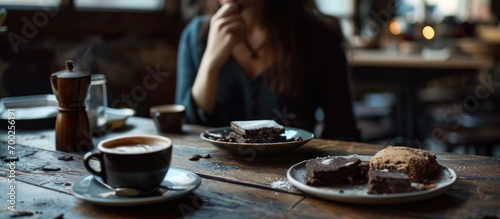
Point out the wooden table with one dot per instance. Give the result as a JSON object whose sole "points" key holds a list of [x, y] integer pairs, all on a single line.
{"points": [[234, 187]]}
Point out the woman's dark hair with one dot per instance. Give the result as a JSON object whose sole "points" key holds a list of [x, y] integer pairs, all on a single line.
{"points": [[285, 21]]}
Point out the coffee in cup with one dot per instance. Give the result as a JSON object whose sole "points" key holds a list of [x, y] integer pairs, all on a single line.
{"points": [[133, 162], [134, 148]]}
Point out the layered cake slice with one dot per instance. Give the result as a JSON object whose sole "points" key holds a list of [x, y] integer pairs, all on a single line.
{"points": [[257, 131], [385, 181], [327, 170]]}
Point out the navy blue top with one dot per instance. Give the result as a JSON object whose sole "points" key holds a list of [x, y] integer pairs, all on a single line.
{"points": [[326, 85]]}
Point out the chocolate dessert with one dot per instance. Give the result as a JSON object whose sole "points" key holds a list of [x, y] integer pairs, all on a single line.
{"points": [[327, 170], [257, 131], [362, 175], [417, 163], [391, 170], [385, 181]]}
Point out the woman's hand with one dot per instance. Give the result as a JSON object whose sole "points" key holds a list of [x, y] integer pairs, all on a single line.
{"points": [[226, 30]]}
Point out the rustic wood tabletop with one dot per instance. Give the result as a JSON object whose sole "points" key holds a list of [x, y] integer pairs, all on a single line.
{"points": [[232, 186]]}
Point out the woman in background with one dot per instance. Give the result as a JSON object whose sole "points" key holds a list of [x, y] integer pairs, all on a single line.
{"points": [[265, 59]]}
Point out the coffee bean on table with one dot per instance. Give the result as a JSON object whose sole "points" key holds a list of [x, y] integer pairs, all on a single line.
{"points": [[50, 168], [23, 213], [65, 157], [194, 158], [10, 159]]}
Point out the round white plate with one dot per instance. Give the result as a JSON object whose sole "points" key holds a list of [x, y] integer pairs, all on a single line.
{"points": [[358, 193], [90, 190], [261, 149]]}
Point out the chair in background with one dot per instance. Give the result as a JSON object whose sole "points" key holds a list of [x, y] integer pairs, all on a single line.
{"points": [[478, 130], [374, 116]]}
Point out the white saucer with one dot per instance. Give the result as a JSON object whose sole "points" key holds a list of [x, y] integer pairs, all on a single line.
{"points": [[90, 190]]}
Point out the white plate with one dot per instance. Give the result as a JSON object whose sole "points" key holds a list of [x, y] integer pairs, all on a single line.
{"points": [[31, 112], [90, 190], [260, 149], [358, 193]]}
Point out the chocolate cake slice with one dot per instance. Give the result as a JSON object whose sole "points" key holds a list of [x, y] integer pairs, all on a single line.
{"points": [[257, 131], [385, 181], [361, 176], [327, 170]]}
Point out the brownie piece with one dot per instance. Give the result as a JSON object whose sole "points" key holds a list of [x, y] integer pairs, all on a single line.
{"points": [[327, 170], [270, 139], [362, 175], [385, 181], [257, 131], [257, 128], [417, 163]]}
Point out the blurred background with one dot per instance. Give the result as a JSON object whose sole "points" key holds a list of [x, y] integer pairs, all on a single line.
{"points": [[426, 73]]}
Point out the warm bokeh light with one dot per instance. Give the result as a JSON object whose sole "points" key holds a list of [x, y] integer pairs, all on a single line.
{"points": [[428, 32], [395, 27]]}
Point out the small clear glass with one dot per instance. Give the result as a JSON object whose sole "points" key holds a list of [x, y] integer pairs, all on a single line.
{"points": [[97, 103]]}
